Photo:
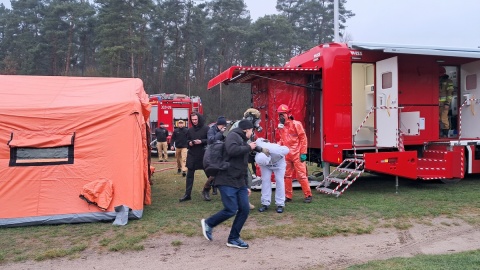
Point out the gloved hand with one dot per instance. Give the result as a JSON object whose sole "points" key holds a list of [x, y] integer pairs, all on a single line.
{"points": [[303, 157], [266, 151]]}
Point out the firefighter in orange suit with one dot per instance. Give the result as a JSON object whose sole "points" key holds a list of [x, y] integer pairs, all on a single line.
{"points": [[445, 100], [293, 136]]}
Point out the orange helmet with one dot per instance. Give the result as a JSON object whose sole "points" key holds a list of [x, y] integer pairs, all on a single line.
{"points": [[283, 109]]}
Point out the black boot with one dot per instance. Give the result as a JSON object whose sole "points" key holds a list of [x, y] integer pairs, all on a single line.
{"points": [[185, 198], [206, 194], [214, 191]]}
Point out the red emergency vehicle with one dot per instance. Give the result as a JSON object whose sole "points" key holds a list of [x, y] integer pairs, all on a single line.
{"points": [[169, 108], [374, 107]]}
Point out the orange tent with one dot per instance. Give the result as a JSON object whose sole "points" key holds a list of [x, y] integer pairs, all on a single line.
{"points": [[61, 135]]}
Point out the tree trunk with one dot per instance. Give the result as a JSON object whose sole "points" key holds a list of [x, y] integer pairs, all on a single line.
{"points": [[69, 50], [132, 57]]}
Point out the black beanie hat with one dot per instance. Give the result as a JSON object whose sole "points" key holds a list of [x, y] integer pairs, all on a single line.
{"points": [[245, 124], [221, 120]]}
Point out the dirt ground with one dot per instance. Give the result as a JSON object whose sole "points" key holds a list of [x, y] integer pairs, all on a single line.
{"points": [[441, 236]]}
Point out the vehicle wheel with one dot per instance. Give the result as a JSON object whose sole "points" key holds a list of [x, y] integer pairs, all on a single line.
{"points": [[451, 180]]}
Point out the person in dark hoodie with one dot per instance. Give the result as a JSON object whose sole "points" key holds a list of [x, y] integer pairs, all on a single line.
{"points": [[197, 140], [214, 134], [233, 186]]}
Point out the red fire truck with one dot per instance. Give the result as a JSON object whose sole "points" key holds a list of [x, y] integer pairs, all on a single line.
{"points": [[169, 108], [374, 107]]}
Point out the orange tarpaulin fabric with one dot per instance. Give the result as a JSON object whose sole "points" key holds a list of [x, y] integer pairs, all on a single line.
{"points": [[267, 95], [99, 192], [108, 120], [40, 139]]}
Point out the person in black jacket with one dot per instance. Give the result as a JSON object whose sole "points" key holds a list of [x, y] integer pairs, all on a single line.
{"points": [[179, 144], [162, 146], [233, 186], [214, 134], [197, 140]]}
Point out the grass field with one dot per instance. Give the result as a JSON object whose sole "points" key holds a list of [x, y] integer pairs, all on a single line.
{"points": [[371, 202]]}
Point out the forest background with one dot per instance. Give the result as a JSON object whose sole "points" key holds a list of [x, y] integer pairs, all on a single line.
{"points": [[174, 46]]}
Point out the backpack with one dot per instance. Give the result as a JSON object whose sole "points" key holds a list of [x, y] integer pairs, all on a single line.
{"points": [[215, 158]]}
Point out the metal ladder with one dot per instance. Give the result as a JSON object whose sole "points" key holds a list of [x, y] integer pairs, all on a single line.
{"points": [[342, 177], [195, 103]]}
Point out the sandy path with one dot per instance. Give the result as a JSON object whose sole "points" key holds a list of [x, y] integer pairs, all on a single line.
{"points": [[443, 236]]}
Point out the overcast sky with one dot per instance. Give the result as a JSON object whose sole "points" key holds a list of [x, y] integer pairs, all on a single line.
{"points": [[420, 22]]}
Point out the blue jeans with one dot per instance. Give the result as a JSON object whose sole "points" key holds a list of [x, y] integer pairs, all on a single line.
{"points": [[235, 203]]}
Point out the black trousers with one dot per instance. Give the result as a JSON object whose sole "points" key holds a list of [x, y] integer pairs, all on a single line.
{"points": [[251, 160], [189, 181]]}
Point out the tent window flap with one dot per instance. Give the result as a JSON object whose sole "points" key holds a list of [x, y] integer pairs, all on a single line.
{"points": [[40, 149]]}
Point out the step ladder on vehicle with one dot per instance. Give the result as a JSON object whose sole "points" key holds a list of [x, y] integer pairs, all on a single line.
{"points": [[342, 177]]}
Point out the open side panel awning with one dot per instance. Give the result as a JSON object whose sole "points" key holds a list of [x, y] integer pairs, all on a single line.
{"points": [[239, 74], [417, 49]]}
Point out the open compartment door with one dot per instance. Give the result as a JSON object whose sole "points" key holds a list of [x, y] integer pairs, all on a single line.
{"points": [[470, 95], [386, 118]]}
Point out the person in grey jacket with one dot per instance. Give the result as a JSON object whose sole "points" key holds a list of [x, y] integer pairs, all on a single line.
{"points": [[233, 186]]}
